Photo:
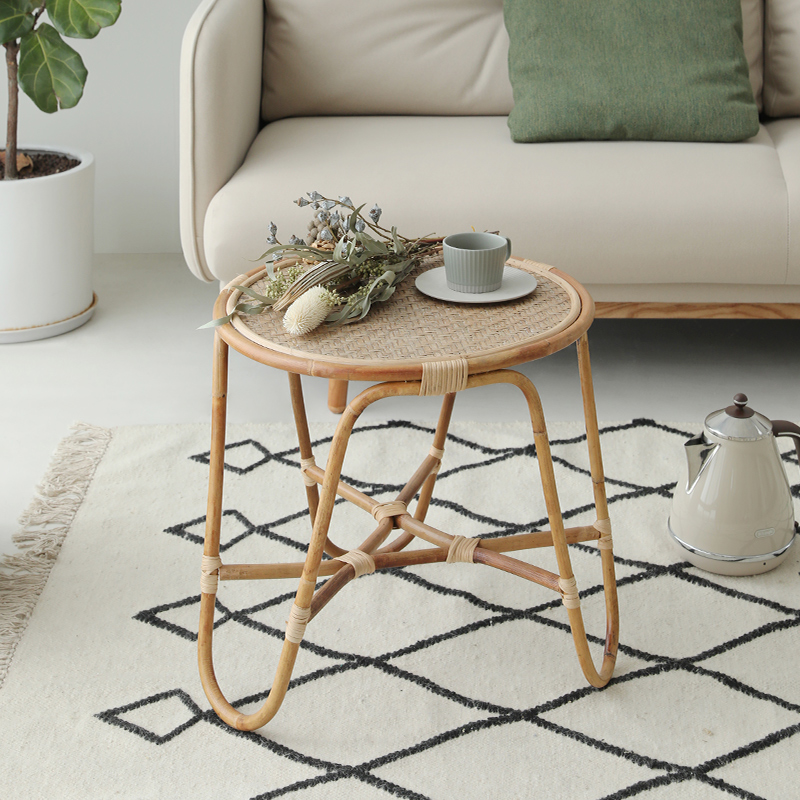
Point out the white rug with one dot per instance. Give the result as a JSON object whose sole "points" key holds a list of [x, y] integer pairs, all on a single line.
{"points": [[445, 681]]}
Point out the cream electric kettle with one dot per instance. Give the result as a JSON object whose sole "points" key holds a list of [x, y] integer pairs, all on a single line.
{"points": [[732, 508]]}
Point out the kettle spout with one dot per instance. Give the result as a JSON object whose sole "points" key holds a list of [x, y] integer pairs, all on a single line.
{"points": [[699, 453]]}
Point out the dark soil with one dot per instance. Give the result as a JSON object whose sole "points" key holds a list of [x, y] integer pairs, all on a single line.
{"points": [[44, 164]]}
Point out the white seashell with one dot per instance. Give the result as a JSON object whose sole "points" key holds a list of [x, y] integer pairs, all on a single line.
{"points": [[307, 312]]}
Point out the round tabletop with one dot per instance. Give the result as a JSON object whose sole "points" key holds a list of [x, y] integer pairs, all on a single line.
{"points": [[410, 330]]}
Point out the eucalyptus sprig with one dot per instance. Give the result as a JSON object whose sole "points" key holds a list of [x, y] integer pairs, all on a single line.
{"points": [[356, 262]]}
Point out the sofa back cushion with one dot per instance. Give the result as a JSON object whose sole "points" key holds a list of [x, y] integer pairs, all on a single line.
{"points": [[385, 57], [753, 35], [782, 58], [447, 57]]}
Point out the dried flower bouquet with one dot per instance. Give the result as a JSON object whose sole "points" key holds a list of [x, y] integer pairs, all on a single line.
{"points": [[347, 263]]}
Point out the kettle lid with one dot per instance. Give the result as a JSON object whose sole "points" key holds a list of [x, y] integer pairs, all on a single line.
{"points": [[739, 422]]}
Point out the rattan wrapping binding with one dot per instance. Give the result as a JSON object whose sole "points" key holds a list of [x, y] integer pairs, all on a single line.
{"points": [[305, 463], [569, 592], [391, 509], [363, 563], [209, 578], [461, 549], [604, 526], [438, 454], [443, 377], [296, 624]]}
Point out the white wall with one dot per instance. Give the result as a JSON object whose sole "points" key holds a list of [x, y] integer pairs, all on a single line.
{"points": [[128, 118]]}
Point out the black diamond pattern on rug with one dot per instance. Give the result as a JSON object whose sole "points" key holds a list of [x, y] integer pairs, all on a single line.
{"points": [[711, 656], [158, 718]]}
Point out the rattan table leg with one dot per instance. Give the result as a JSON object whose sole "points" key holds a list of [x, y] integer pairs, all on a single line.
{"points": [[426, 492], [208, 678], [544, 457], [219, 406], [601, 507], [307, 454], [439, 439], [208, 593], [301, 608], [337, 395], [303, 438], [421, 476]]}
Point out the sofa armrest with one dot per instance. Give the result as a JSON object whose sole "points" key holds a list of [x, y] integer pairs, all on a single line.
{"points": [[220, 108]]}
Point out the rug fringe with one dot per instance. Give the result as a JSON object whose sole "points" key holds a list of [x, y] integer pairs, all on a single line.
{"points": [[45, 524]]}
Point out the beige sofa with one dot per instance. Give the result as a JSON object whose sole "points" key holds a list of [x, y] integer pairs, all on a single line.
{"points": [[404, 103]]}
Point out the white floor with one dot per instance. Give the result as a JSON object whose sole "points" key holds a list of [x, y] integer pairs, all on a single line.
{"points": [[141, 360]]}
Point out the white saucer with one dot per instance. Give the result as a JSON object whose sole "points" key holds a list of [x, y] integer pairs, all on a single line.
{"points": [[516, 283]]}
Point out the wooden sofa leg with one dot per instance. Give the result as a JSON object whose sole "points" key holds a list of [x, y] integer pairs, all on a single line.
{"points": [[337, 395]]}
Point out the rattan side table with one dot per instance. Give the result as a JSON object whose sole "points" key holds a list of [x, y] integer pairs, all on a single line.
{"points": [[413, 345]]}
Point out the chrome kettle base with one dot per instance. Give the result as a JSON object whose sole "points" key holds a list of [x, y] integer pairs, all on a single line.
{"points": [[730, 565]]}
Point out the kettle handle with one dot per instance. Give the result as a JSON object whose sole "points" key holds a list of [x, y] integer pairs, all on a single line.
{"points": [[782, 427]]}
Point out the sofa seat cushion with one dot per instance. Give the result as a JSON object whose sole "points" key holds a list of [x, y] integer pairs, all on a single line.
{"points": [[605, 212]]}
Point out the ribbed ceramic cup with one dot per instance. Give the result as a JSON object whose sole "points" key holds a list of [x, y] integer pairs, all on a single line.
{"points": [[473, 262]]}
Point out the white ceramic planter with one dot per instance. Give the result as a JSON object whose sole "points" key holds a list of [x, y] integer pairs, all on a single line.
{"points": [[46, 251]]}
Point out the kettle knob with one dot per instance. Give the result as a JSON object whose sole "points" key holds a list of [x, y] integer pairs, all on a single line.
{"points": [[739, 409]]}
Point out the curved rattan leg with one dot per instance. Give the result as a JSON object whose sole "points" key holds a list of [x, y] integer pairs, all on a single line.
{"points": [[426, 491], [307, 454], [303, 439], [439, 439], [211, 569], [600, 503], [301, 608], [356, 407], [569, 592]]}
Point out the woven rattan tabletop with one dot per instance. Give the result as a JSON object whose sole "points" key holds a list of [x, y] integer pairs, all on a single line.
{"points": [[398, 336]]}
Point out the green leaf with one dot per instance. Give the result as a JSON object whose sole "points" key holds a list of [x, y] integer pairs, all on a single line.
{"points": [[255, 295], [387, 293], [51, 73], [239, 308], [338, 251], [16, 19], [373, 245], [399, 266], [351, 223], [387, 278], [365, 309], [357, 259], [270, 252], [83, 19], [398, 247], [217, 322], [295, 251], [337, 315], [242, 309]]}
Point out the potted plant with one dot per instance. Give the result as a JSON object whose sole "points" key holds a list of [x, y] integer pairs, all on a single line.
{"points": [[47, 194]]}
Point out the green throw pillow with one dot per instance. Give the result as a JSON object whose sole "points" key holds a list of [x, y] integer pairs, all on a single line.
{"points": [[671, 70]]}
